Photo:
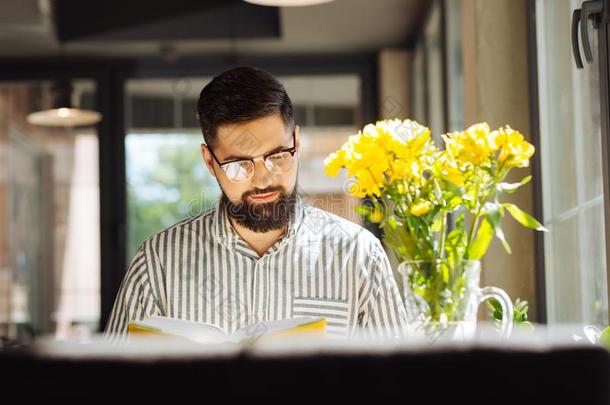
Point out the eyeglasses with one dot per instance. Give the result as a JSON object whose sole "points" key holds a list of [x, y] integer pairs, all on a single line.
{"points": [[241, 170]]}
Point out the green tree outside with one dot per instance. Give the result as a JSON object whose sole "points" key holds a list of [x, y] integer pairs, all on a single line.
{"points": [[167, 182]]}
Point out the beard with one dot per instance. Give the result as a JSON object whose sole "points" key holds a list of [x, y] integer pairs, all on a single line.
{"points": [[262, 217]]}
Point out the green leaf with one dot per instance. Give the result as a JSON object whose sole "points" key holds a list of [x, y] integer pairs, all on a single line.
{"points": [[436, 225], [512, 187], [456, 243], [495, 304], [519, 312], [484, 236], [364, 210], [524, 218], [401, 241], [495, 309], [453, 203], [445, 273], [494, 215], [605, 338], [459, 221], [392, 221]]}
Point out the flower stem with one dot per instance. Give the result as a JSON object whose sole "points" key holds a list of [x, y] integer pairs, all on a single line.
{"points": [[443, 234], [477, 216], [475, 223]]}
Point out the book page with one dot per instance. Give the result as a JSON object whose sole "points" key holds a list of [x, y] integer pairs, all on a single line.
{"points": [[254, 331], [196, 331]]}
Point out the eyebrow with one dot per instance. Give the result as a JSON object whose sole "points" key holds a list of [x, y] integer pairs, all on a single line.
{"points": [[236, 157]]}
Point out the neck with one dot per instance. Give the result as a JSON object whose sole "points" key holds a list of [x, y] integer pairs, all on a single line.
{"points": [[260, 242]]}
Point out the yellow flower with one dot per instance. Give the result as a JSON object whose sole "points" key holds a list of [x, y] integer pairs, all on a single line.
{"points": [[372, 156], [420, 208], [408, 139], [333, 163], [515, 151], [474, 145], [381, 153], [448, 171], [406, 170], [376, 215], [365, 184]]}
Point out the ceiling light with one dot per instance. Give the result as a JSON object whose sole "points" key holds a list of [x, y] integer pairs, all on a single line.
{"points": [[62, 113], [287, 3]]}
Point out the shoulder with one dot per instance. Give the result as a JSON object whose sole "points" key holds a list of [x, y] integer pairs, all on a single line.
{"points": [[332, 226]]}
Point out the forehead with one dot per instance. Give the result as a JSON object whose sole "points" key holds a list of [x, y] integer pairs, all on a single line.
{"points": [[252, 138]]}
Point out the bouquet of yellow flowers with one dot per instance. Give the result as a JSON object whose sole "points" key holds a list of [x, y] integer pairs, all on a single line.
{"points": [[413, 185], [438, 208]]}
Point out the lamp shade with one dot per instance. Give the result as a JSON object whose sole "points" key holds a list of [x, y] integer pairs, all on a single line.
{"points": [[287, 3], [62, 113]]}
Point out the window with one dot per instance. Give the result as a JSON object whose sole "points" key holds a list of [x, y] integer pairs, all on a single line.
{"points": [[572, 173], [50, 236], [167, 180]]}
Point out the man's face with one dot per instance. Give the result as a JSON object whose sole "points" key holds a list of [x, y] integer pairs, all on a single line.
{"points": [[251, 140]]}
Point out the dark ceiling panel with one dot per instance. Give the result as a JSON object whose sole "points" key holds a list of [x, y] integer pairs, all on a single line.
{"points": [[126, 20]]}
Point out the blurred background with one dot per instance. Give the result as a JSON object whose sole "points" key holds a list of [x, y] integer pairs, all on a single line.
{"points": [[77, 199]]}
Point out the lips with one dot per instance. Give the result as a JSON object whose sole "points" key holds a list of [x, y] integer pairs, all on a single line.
{"points": [[263, 197]]}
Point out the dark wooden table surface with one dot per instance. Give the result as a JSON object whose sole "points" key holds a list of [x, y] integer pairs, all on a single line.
{"points": [[410, 374]]}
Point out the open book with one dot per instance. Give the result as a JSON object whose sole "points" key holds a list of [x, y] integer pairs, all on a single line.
{"points": [[208, 333]]}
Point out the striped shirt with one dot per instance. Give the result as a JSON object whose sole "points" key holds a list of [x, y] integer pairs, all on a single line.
{"points": [[201, 270]]}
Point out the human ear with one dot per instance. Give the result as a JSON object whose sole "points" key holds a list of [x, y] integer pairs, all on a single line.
{"points": [[207, 158], [297, 137]]}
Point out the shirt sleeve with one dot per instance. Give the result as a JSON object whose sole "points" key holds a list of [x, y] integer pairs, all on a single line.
{"points": [[384, 314], [135, 300]]}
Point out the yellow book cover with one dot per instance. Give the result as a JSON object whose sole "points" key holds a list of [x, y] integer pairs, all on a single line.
{"points": [[302, 326]]}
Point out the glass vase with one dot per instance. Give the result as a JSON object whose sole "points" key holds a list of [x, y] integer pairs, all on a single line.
{"points": [[442, 298]]}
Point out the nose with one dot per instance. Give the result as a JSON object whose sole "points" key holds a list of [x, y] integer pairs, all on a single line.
{"points": [[262, 177]]}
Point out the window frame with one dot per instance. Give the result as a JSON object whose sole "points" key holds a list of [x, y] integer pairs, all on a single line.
{"points": [[602, 64]]}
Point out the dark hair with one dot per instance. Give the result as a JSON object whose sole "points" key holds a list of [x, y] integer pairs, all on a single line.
{"points": [[238, 95]]}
